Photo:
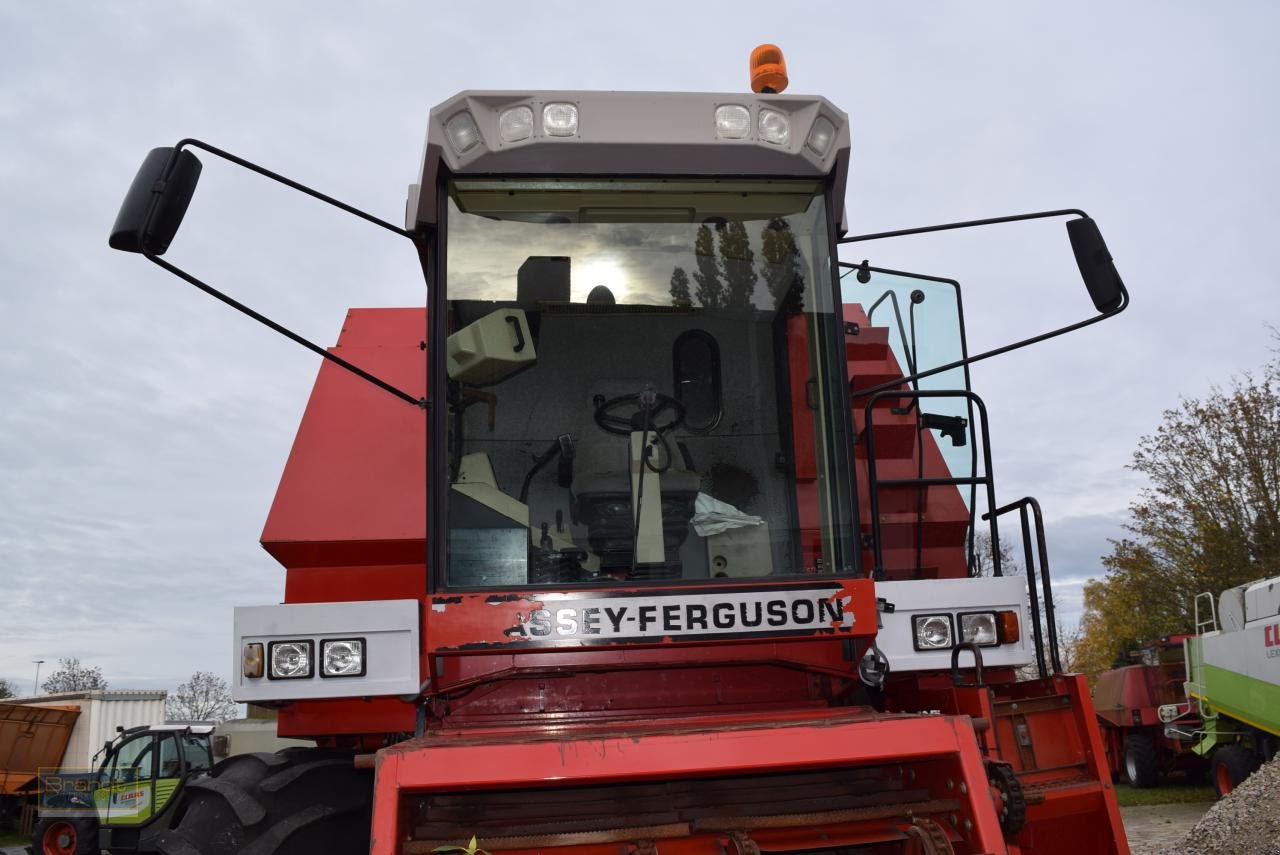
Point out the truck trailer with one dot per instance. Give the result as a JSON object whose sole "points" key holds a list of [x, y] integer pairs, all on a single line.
{"points": [[652, 527]]}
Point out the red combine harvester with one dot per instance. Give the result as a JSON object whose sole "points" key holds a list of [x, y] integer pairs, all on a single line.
{"points": [[654, 529], [1141, 746]]}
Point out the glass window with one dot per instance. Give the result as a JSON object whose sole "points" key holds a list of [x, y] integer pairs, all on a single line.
{"points": [[196, 749], [575, 311]]}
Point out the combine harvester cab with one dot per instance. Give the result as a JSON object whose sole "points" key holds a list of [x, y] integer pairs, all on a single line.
{"points": [[1233, 681], [641, 536]]}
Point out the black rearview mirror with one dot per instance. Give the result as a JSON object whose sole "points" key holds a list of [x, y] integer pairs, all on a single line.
{"points": [[1096, 267], [156, 202]]}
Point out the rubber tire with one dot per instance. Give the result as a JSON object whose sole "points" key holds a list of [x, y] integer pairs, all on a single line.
{"points": [[1231, 765], [295, 802], [1141, 763], [86, 829]]}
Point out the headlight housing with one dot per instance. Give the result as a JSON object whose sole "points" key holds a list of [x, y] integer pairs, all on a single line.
{"points": [[932, 632], [979, 628], [733, 121], [820, 136], [516, 124], [560, 120], [342, 657], [291, 660], [252, 660]]}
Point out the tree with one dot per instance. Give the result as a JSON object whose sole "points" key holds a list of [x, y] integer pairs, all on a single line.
{"points": [[6, 689], [205, 697], [680, 287], [982, 555], [710, 291], [1209, 519], [781, 270], [71, 676], [739, 265]]}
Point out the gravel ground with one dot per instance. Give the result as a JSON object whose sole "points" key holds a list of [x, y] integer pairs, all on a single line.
{"points": [[1246, 821]]}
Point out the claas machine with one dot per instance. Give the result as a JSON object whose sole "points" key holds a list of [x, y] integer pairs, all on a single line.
{"points": [[653, 530]]}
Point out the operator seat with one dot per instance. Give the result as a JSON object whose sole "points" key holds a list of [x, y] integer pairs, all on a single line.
{"points": [[601, 496]]}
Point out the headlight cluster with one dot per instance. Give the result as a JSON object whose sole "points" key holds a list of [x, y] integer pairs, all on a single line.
{"points": [[985, 629], [295, 659], [560, 119]]}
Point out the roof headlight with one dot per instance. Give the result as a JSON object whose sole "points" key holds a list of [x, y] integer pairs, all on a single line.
{"points": [[733, 121], [515, 124], [462, 132], [342, 657], [821, 136], [291, 660], [775, 127], [932, 632], [560, 120]]}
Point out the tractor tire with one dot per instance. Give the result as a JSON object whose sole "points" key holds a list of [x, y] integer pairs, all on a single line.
{"points": [[57, 835], [298, 801], [1141, 763], [1231, 765]]}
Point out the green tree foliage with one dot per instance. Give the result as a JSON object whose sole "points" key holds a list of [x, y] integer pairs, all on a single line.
{"points": [[782, 268], [710, 291], [71, 676], [680, 286], [1209, 519], [739, 265]]}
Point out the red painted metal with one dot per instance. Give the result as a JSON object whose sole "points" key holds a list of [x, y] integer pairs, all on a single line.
{"points": [[939, 751], [349, 523]]}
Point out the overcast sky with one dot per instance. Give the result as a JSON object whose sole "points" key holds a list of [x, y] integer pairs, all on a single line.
{"points": [[143, 427]]}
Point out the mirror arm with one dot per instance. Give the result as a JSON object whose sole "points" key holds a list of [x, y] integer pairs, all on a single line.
{"points": [[959, 363], [288, 333], [301, 188], [1013, 218]]}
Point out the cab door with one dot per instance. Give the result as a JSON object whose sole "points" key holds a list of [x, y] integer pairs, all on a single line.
{"points": [[126, 790]]}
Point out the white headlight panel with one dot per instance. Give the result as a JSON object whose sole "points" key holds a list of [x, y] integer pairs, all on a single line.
{"points": [[980, 629], [516, 124], [462, 132], [290, 660], [560, 120], [820, 136], [933, 632], [342, 657], [775, 127], [733, 121]]}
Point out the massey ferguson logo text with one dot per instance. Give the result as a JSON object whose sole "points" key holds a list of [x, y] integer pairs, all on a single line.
{"points": [[676, 615]]}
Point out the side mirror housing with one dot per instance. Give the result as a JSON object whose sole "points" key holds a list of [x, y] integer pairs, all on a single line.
{"points": [[156, 202], [1096, 267]]}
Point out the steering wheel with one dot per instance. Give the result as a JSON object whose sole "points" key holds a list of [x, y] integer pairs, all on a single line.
{"points": [[625, 413]]}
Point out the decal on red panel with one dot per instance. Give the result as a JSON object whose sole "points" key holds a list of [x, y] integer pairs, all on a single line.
{"points": [[656, 616]]}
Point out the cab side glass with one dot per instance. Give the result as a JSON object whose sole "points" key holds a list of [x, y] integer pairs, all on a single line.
{"points": [[197, 754]]}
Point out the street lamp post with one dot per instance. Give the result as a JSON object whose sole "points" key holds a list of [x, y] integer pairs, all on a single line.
{"points": [[35, 690]]}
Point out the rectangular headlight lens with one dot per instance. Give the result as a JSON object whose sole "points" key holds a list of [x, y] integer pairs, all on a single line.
{"points": [[560, 120], [932, 632], [342, 657], [979, 629], [291, 660], [733, 121]]}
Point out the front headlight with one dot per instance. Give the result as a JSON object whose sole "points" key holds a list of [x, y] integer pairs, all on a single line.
{"points": [[290, 660], [932, 632], [342, 657], [979, 629], [462, 132]]}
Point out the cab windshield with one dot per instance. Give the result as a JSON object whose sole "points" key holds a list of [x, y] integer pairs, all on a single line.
{"points": [[645, 384]]}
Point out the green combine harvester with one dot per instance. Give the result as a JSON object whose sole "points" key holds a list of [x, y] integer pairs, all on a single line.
{"points": [[1233, 680]]}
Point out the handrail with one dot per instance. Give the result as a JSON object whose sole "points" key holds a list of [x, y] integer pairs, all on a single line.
{"points": [[1042, 553]]}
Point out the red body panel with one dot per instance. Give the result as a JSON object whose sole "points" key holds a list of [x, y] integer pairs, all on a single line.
{"points": [[502, 712]]}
